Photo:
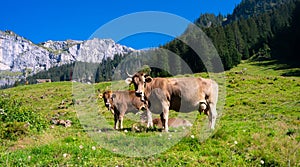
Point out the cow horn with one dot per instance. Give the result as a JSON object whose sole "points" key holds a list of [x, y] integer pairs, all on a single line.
{"points": [[129, 75]]}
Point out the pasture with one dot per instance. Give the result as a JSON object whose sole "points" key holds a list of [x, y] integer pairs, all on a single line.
{"points": [[259, 126]]}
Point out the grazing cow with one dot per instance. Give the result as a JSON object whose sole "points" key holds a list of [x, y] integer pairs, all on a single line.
{"points": [[179, 94], [120, 102]]}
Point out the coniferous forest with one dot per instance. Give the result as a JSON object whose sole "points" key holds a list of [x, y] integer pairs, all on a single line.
{"points": [[256, 30]]}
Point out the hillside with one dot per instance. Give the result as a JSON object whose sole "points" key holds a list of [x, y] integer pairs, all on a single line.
{"points": [[257, 29], [250, 8], [246, 9], [259, 126]]}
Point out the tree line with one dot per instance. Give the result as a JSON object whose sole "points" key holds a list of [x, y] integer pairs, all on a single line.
{"points": [[80, 71], [245, 35]]}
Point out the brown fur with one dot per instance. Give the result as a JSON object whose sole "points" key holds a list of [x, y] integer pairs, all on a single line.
{"points": [[173, 122], [121, 102], [179, 94]]}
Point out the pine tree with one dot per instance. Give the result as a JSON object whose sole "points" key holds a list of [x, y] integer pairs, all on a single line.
{"points": [[232, 49], [253, 32], [239, 42]]}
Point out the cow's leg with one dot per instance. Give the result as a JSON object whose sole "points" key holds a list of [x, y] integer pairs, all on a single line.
{"points": [[121, 120], [149, 119], [121, 123], [162, 118], [212, 113], [116, 118], [165, 117], [166, 121]]}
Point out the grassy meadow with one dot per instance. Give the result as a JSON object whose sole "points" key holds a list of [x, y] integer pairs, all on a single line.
{"points": [[259, 126]]}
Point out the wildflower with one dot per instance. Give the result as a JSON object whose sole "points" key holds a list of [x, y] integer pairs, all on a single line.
{"points": [[262, 162], [65, 155], [125, 131], [2, 112], [81, 146], [93, 148], [192, 136], [235, 142]]}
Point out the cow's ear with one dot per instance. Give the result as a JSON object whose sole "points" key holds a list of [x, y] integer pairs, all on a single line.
{"points": [[148, 79], [128, 81], [113, 96]]}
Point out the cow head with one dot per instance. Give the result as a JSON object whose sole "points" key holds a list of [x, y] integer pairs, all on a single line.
{"points": [[108, 98], [139, 81]]}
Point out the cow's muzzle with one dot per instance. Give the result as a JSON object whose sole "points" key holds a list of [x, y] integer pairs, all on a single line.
{"points": [[204, 107], [140, 94], [108, 105]]}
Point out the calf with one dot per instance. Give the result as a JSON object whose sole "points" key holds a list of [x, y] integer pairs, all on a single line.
{"points": [[120, 102]]}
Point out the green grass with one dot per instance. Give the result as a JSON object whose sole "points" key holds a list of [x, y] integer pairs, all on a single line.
{"points": [[259, 126]]}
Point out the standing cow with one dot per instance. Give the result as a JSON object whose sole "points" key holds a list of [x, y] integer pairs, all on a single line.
{"points": [[121, 102], [179, 94]]}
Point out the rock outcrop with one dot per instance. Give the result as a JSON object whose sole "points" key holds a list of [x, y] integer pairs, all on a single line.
{"points": [[20, 57]]}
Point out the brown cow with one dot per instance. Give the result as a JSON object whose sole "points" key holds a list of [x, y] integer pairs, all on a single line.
{"points": [[179, 94], [120, 102]]}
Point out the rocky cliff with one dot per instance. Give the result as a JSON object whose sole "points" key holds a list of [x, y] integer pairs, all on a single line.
{"points": [[20, 57]]}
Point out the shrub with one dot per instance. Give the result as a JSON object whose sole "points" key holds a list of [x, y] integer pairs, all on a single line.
{"points": [[13, 130], [18, 120]]}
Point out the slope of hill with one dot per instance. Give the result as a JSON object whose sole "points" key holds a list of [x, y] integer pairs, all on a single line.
{"points": [[255, 29], [259, 126]]}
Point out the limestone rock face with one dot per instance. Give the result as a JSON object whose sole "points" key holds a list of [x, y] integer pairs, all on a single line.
{"points": [[20, 57]]}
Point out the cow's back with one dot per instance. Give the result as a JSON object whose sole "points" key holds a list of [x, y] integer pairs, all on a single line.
{"points": [[182, 94], [128, 101], [188, 92]]}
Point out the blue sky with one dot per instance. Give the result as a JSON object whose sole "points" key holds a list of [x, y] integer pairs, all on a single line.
{"points": [[40, 21]]}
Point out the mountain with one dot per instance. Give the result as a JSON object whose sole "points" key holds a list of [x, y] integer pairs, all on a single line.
{"points": [[20, 57], [250, 8], [246, 9]]}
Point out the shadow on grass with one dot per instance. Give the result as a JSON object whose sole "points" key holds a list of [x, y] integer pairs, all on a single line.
{"points": [[292, 73], [134, 130], [292, 68], [141, 130]]}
